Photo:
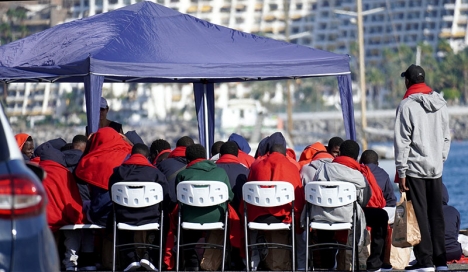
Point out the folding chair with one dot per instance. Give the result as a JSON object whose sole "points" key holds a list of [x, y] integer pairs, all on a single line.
{"points": [[268, 194], [331, 194], [202, 194], [137, 194]]}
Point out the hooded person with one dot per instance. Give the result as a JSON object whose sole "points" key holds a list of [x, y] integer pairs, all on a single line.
{"points": [[64, 206], [26, 145], [274, 166], [133, 137], [277, 138], [318, 155], [138, 168], [422, 144], [452, 228], [107, 149], [369, 196], [309, 152], [244, 149]]}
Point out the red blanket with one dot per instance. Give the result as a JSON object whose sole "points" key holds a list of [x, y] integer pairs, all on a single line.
{"points": [[138, 159], [107, 150], [245, 159], [377, 199], [227, 158], [178, 152], [276, 167], [64, 206], [235, 235]]}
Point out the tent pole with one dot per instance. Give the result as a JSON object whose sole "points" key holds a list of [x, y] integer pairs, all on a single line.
{"points": [[205, 115]]}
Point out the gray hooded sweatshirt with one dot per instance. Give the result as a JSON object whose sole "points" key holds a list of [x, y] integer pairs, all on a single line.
{"points": [[337, 172], [422, 136]]}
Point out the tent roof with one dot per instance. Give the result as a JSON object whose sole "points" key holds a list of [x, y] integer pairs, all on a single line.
{"points": [[147, 42]]}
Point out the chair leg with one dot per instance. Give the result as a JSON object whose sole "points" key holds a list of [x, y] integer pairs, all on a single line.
{"points": [[307, 243], [178, 242], [161, 244], [293, 231], [246, 237], [114, 245], [224, 242]]}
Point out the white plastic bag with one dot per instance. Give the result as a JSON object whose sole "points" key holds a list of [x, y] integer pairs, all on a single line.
{"points": [[463, 240]]}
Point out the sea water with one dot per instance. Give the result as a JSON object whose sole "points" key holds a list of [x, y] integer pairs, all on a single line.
{"points": [[454, 177]]}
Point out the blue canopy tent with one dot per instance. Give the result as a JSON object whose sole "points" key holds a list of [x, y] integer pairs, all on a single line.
{"points": [[147, 42]]}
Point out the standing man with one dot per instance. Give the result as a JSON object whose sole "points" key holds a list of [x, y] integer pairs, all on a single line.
{"points": [[422, 143]]}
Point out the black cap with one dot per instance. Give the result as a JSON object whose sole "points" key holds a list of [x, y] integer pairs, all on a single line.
{"points": [[414, 73]]}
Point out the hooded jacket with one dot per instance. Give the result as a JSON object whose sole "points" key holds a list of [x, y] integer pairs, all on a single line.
{"points": [[422, 136], [452, 226], [308, 171], [244, 149], [204, 170], [138, 168], [339, 172]]}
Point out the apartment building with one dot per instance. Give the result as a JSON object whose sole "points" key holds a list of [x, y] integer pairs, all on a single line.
{"points": [[320, 24]]}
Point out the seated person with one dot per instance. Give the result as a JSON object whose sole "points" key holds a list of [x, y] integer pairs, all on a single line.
{"points": [[26, 145], [215, 150], [64, 207], [452, 228], [106, 150], [138, 168], [244, 149], [371, 159], [346, 168], [159, 151], [199, 168], [274, 165]]}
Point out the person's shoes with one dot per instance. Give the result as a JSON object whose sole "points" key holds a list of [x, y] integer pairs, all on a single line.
{"points": [[374, 270], [386, 267], [147, 265], [71, 268], [441, 268], [132, 266], [419, 268]]}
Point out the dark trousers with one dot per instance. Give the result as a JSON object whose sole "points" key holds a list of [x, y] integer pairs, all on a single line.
{"points": [[377, 220], [426, 196]]}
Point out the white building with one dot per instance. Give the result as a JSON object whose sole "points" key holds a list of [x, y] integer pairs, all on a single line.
{"points": [[312, 23]]}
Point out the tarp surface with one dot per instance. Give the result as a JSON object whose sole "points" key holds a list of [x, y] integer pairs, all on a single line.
{"points": [[147, 42]]}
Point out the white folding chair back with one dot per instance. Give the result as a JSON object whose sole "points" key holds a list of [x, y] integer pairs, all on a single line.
{"points": [[268, 194], [202, 193], [137, 194], [330, 194]]}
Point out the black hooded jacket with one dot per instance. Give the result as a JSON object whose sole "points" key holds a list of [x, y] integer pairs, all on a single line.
{"points": [[141, 216]]}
